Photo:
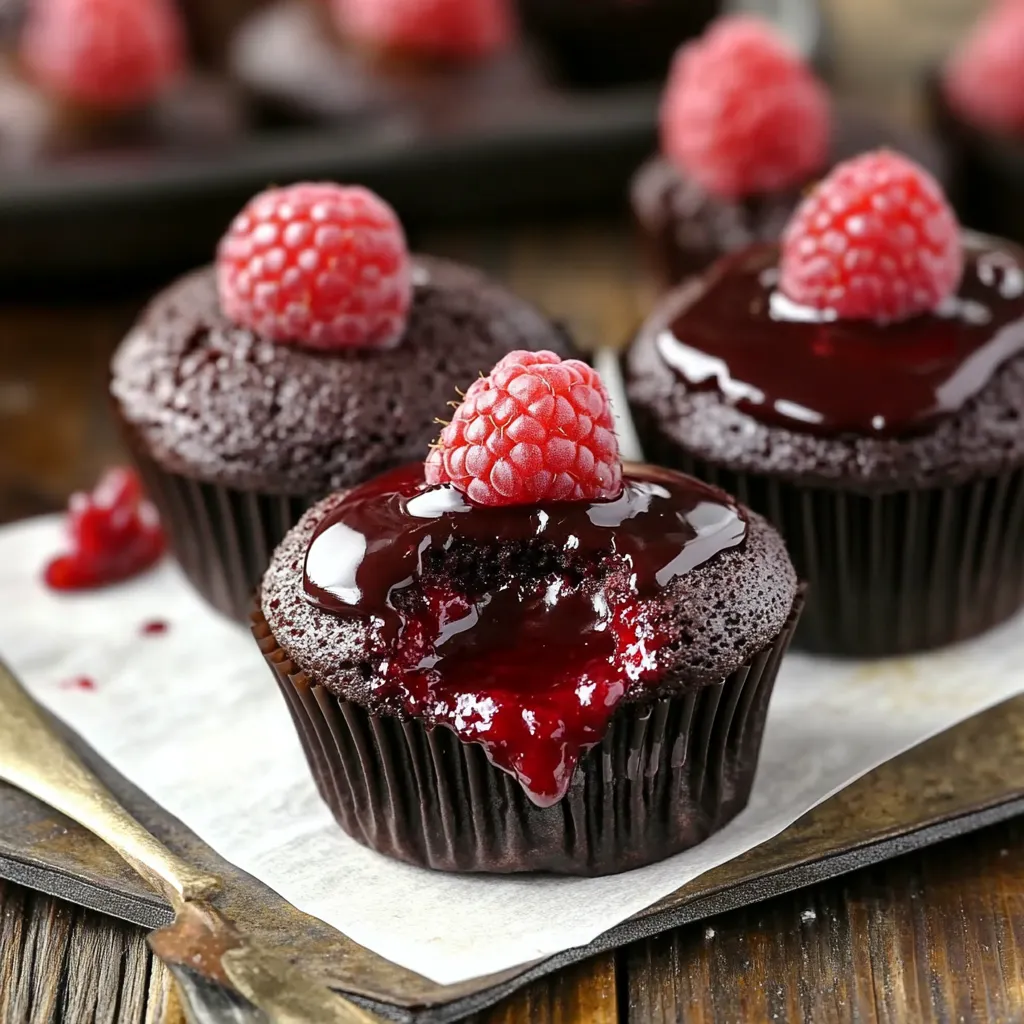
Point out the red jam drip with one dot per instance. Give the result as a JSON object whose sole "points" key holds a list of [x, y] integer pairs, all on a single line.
{"points": [[794, 367], [532, 668], [114, 534]]}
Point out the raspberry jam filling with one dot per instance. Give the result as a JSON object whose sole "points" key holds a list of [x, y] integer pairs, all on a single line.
{"points": [[794, 367], [114, 534], [522, 627]]}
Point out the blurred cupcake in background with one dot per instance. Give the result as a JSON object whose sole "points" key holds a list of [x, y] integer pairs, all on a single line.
{"points": [[315, 353], [977, 103], [86, 73], [343, 59], [861, 384], [745, 127]]}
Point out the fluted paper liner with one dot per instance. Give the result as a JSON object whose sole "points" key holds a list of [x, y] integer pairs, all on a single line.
{"points": [[890, 573], [222, 537], [668, 774]]}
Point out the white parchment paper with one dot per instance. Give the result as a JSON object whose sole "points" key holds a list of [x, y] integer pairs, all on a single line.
{"points": [[240, 781]]}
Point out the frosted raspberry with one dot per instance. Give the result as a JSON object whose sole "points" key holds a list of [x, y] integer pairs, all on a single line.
{"points": [[439, 28], [539, 428], [874, 240], [984, 81], [103, 53], [320, 265], [742, 113]]}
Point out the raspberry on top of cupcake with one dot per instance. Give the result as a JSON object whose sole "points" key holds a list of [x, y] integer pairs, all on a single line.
{"points": [[857, 378], [746, 126], [106, 54], [314, 354], [983, 81], [522, 583], [444, 29]]}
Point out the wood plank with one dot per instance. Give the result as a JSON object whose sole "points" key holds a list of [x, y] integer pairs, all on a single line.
{"points": [[930, 937], [583, 994], [60, 963]]}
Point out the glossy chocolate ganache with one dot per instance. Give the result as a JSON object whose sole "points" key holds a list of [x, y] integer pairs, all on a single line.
{"points": [[522, 627], [804, 369]]}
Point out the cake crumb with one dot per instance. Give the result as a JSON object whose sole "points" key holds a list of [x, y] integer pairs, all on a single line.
{"points": [[808, 915], [709, 933]]}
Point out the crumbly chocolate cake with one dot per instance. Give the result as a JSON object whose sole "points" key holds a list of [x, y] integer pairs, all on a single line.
{"points": [[211, 400]]}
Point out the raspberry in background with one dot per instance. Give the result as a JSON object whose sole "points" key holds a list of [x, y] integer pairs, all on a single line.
{"points": [[742, 113], [103, 53], [875, 240], [114, 534], [447, 29], [538, 428], [984, 79], [323, 266]]}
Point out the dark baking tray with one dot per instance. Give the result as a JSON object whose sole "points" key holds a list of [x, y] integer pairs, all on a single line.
{"points": [[144, 213], [966, 778]]}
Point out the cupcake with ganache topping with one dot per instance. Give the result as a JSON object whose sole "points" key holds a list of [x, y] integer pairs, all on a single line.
{"points": [[977, 103], [863, 387], [746, 127], [314, 355], [524, 655]]}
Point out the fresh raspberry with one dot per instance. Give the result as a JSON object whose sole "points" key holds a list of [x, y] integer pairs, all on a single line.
{"points": [[875, 240], [448, 29], [984, 81], [742, 114], [103, 53], [539, 428], [114, 534], [320, 265]]}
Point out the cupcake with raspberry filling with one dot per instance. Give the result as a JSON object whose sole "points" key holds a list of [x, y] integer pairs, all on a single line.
{"points": [[85, 74], [746, 126], [337, 61], [313, 355], [524, 655], [977, 102], [862, 385]]}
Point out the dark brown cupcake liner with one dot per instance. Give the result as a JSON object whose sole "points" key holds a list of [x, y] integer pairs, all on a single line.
{"points": [[668, 774], [222, 537], [890, 573]]}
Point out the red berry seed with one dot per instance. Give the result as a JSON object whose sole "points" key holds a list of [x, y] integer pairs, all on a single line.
{"points": [[103, 53], [984, 81], [539, 428], [875, 240], [742, 114], [449, 29], [114, 533], [319, 265]]}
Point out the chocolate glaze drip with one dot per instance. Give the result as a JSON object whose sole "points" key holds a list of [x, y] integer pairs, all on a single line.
{"points": [[803, 369], [533, 666], [374, 543]]}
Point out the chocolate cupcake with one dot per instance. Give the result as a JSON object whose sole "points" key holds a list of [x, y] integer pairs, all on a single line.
{"points": [[304, 60], [977, 106], [746, 127], [863, 389], [79, 78], [605, 42], [315, 355], [525, 656]]}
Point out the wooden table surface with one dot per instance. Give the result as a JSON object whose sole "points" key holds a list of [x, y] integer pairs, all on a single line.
{"points": [[932, 936]]}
